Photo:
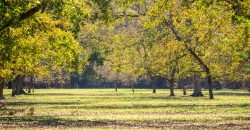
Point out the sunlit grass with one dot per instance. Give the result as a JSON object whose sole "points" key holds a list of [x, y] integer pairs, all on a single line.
{"points": [[105, 108]]}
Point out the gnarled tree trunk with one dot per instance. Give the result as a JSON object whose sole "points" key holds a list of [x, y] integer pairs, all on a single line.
{"points": [[197, 88], [17, 88], [2, 82]]}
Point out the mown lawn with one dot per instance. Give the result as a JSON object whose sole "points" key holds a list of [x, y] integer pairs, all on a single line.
{"points": [[105, 108]]}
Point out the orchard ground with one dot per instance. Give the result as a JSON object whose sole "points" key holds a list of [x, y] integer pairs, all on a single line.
{"points": [[105, 108]]}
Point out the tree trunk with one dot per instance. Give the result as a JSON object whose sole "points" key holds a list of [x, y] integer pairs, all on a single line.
{"points": [[171, 87], [181, 86], [172, 80], [154, 90], [153, 85], [17, 88], [2, 82], [184, 90], [197, 88], [116, 87], [247, 84], [210, 89], [207, 70], [30, 85], [133, 90]]}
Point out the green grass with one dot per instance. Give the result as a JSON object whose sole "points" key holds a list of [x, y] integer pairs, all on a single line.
{"points": [[105, 108]]}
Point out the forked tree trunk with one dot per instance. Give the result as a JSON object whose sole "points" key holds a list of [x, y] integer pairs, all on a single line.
{"points": [[17, 88], [207, 70], [197, 88], [2, 82]]}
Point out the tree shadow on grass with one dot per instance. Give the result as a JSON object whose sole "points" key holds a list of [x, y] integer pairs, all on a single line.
{"points": [[23, 119], [42, 103], [148, 106], [76, 94], [55, 94], [232, 93], [49, 121]]}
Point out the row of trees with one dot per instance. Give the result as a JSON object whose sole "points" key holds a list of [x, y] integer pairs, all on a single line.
{"points": [[176, 40], [125, 39]]}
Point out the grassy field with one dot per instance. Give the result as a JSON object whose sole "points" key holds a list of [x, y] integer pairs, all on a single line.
{"points": [[105, 108]]}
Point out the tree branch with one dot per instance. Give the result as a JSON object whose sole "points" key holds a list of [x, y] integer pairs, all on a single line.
{"points": [[23, 16]]}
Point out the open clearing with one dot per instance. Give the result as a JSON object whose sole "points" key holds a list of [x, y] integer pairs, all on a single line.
{"points": [[105, 108]]}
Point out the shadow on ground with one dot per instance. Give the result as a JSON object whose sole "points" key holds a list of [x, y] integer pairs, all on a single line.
{"points": [[232, 93], [49, 121], [41, 103]]}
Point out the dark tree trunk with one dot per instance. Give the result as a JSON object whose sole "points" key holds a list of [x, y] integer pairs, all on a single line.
{"points": [[171, 87], [2, 82], [184, 90], [154, 90], [153, 85], [181, 86], [133, 89], [210, 89], [172, 80], [197, 88], [29, 90], [247, 84], [17, 88], [115, 87]]}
